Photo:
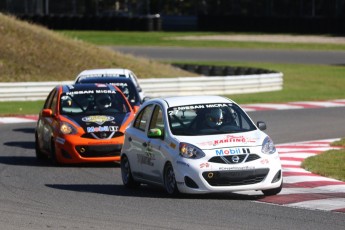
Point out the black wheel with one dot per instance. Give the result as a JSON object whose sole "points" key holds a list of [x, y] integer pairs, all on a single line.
{"points": [[53, 157], [39, 154], [274, 191], [169, 180], [126, 174]]}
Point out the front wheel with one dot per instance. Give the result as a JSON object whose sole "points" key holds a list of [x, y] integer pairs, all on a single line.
{"points": [[169, 180], [126, 174], [274, 191], [39, 154]]}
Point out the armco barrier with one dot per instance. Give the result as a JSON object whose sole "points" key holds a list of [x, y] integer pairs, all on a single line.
{"points": [[155, 87]]}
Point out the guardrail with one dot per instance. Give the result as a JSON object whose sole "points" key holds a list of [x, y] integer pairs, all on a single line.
{"points": [[155, 87]]}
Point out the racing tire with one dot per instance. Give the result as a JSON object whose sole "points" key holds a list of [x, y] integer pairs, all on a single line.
{"points": [[53, 157], [39, 154], [170, 184], [274, 191], [126, 174]]}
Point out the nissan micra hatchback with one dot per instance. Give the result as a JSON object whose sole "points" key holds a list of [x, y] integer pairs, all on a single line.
{"points": [[199, 144], [83, 123]]}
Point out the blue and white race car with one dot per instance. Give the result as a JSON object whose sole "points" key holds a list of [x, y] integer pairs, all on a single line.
{"points": [[199, 144]]}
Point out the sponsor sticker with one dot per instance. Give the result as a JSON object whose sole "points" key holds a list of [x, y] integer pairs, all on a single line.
{"points": [[95, 129], [98, 119], [231, 151], [229, 139], [236, 168], [60, 140], [142, 159], [204, 165]]}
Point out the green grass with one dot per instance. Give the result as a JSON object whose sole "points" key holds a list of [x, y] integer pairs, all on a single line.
{"points": [[301, 82], [20, 107], [330, 163], [109, 38]]}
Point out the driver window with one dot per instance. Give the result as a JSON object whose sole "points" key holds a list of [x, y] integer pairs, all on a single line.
{"points": [[143, 117], [157, 119]]}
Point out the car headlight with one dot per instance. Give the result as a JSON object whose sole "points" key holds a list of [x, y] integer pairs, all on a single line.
{"points": [[268, 146], [190, 151], [66, 128]]}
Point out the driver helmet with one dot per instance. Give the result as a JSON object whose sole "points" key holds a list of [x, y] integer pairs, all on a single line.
{"points": [[214, 118], [103, 101]]}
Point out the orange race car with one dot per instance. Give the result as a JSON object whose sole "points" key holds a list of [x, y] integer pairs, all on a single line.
{"points": [[83, 123]]}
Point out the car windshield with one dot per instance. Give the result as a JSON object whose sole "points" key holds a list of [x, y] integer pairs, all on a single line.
{"points": [[93, 102], [208, 119], [127, 88]]}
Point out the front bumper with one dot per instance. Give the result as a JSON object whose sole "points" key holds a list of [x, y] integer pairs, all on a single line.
{"points": [[198, 176], [74, 149]]}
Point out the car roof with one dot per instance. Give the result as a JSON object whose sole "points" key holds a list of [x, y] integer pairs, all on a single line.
{"points": [[112, 71], [189, 100], [108, 79]]}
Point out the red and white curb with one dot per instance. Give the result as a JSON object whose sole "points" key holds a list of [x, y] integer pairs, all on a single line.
{"points": [[304, 189], [294, 105]]}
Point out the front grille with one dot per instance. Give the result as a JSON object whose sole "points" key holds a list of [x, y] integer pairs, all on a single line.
{"points": [[102, 135], [234, 159], [99, 150], [235, 177]]}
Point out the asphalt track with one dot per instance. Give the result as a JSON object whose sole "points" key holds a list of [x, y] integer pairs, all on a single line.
{"points": [[38, 195], [236, 55]]}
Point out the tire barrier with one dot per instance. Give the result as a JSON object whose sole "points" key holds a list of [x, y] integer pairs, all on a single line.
{"points": [[207, 70]]}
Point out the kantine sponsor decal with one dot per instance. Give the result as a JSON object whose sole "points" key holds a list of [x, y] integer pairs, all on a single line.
{"points": [[229, 139], [99, 119]]}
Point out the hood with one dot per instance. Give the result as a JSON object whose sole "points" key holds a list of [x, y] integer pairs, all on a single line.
{"points": [[249, 139]]}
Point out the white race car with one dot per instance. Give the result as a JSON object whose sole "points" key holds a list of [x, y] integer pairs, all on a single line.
{"points": [[199, 144], [111, 72]]}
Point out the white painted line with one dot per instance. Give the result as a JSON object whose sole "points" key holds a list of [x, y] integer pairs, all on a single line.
{"points": [[321, 204], [297, 179]]}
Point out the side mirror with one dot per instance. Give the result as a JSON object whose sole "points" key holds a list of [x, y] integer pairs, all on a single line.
{"points": [[261, 125], [135, 109], [47, 113], [146, 99], [155, 133]]}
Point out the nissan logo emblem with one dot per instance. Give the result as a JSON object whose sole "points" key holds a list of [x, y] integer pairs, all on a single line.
{"points": [[235, 159]]}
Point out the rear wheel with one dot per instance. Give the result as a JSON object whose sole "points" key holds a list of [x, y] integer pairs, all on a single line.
{"points": [[169, 180], [126, 174], [274, 191]]}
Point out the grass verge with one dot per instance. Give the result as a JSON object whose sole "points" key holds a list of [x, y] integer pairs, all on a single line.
{"points": [[329, 164], [170, 39]]}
